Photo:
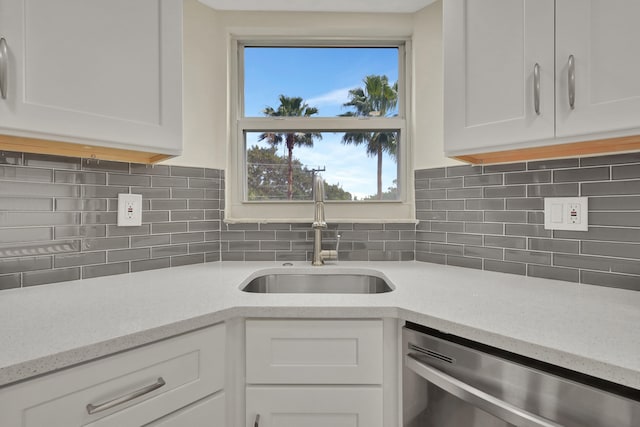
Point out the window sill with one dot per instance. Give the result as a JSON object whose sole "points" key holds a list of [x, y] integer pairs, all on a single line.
{"points": [[335, 212]]}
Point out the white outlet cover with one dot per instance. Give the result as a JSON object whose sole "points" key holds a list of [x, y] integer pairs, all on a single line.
{"points": [[129, 210], [557, 215]]}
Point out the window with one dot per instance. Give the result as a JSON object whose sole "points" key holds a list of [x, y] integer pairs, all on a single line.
{"points": [[320, 107]]}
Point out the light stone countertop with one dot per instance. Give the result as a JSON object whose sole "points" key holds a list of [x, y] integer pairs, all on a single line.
{"points": [[590, 329]]}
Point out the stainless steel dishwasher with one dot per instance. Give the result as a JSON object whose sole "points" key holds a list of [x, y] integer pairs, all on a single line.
{"points": [[452, 382]]}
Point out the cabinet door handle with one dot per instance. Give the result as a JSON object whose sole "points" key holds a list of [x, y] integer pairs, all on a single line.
{"points": [[94, 409], [572, 82], [257, 421], [4, 59], [536, 88]]}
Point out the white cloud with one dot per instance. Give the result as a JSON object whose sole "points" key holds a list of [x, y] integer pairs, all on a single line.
{"points": [[334, 97]]}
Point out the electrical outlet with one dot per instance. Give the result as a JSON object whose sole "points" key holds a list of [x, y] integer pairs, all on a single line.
{"points": [[129, 210], [566, 213]]}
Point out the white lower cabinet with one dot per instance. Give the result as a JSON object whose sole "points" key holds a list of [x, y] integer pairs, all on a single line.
{"points": [[314, 373], [335, 406], [132, 388]]}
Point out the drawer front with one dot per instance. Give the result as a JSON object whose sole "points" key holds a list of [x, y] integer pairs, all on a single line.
{"points": [[314, 351], [314, 406], [209, 412], [191, 367]]}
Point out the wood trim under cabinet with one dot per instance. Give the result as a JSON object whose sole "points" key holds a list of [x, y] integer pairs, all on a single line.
{"points": [[43, 146], [574, 149]]}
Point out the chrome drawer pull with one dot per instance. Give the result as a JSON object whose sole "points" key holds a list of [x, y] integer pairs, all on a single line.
{"points": [[572, 82], [94, 409], [536, 88], [4, 59]]}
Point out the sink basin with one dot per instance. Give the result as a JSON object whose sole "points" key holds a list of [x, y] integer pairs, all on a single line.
{"points": [[317, 284]]}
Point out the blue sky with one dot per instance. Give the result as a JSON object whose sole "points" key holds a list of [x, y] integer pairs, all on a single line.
{"points": [[322, 77]]}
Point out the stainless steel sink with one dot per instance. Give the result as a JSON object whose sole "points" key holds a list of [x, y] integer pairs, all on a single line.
{"points": [[282, 283]]}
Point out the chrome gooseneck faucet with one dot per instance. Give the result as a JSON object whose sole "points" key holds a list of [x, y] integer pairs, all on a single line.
{"points": [[319, 224]]}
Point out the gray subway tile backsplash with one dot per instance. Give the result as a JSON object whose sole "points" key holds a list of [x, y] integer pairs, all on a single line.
{"points": [[609, 279], [553, 164], [556, 273], [510, 237], [527, 177], [186, 171], [505, 267], [17, 265], [463, 170], [582, 174], [505, 242], [57, 221], [618, 203], [613, 159], [105, 269], [72, 177], [10, 281], [150, 264], [625, 172], [294, 241], [610, 188], [553, 190], [33, 278], [15, 173], [58, 218]]}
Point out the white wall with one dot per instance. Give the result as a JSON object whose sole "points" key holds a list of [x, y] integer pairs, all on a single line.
{"points": [[428, 147], [204, 89], [206, 72]]}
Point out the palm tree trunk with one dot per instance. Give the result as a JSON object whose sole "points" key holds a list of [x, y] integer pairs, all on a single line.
{"points": [[379, 172], [290, 170]]}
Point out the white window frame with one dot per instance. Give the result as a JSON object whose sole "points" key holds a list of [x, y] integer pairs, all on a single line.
{"points": [[239, 209]]}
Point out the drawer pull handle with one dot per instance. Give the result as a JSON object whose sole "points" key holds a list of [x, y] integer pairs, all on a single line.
{"points": [[572, 82], [257, 422], [94, 409], [536, 88], [4, 59]]}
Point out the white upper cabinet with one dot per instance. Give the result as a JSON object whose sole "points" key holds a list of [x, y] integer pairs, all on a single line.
{"points": [[603, 37], [491, 51], [508, 73], [98, 72]]}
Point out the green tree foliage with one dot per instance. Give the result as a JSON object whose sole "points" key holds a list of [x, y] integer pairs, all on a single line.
{"points": [[391, 193], [267, 178], [290, 107], [377, 98]]}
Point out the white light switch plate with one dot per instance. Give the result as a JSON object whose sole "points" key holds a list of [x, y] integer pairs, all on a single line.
{"points": [[129, 210], [566, 213]]}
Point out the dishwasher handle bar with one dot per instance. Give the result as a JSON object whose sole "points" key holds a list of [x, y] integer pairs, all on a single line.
{"points": [[478, 398]]}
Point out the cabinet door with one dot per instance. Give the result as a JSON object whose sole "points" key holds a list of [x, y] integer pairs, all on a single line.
{"points": [[95, 72], [209, 412], [490, 50], [314, 351], [128, 389], [314, 406], [602, 36]]}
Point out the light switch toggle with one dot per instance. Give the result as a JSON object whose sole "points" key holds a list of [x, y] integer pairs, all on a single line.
{"points": [[566, 213], [129, 210], [556, 213]]}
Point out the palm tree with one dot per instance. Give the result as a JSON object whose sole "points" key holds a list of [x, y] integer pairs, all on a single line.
{"points": [[376, 99], [289, 107]]}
